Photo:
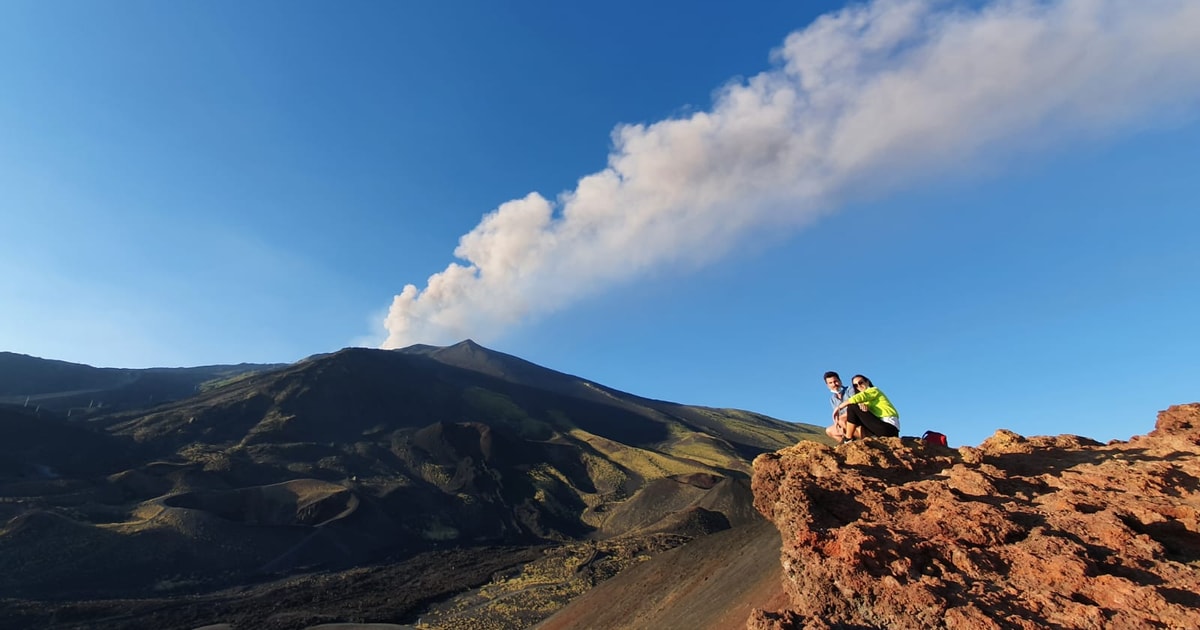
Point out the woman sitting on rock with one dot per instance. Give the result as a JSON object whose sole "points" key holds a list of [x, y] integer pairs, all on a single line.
{"points": [[881, 418]]}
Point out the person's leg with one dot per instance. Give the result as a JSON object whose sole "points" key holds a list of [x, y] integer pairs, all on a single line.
{"points": [[879, 428], [867, 424], [855, 418]]}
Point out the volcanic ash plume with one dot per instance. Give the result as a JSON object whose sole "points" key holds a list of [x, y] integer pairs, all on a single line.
{"points": [[863, 100]]}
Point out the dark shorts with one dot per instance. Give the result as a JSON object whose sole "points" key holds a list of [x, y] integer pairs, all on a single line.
{"points": [[870, 423]]}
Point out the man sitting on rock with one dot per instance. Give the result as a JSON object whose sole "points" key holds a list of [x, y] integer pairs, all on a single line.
{"points": [[837, 430]]}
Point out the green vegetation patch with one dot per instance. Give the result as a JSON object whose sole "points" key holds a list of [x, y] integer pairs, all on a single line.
{"points": [[752, 428], [646, 463], [707, 450]]}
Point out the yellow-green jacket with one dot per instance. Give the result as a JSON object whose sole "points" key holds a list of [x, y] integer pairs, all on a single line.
{"points": [[876, 401]]}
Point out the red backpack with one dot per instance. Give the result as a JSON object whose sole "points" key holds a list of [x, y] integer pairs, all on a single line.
{"points": [[933, 437]]}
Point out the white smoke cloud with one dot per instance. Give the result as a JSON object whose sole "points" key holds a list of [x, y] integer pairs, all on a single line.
{"points": [[861, 101]]}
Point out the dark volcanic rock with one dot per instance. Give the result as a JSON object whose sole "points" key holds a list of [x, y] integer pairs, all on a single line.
{"points": [[1028, 533]]}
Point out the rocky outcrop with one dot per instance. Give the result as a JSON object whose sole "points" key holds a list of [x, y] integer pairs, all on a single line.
{"points": [[1017, 533]]}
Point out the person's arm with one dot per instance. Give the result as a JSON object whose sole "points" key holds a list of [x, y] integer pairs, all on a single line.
{"points": [[860, 397], [839, 413]]}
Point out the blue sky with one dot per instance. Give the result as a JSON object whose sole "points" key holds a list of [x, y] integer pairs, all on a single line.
{"points": [[989, 208]]}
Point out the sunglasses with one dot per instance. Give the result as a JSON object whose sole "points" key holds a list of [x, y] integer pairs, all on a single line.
{"points": [[859, 384]]}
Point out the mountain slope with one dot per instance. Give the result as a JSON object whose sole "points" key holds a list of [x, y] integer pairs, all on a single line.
{"points": [[361, 454], [61, 386], [745, 431]]}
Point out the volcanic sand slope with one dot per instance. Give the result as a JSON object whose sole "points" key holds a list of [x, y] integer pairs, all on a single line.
{"points": [[296, 502], [713, 582]]}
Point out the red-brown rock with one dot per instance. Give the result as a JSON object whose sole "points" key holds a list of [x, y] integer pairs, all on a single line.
{"points": [[1017, 533]]}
